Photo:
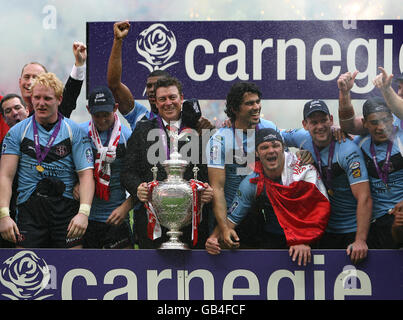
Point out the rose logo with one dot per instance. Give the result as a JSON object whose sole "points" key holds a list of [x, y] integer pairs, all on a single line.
{"points": [[25, 275], [157, 45]]}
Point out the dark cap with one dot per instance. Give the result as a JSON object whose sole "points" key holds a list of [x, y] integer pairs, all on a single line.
{"points": [[101, 99], [267, 134], [313, 106], [375, 104], [398, 77]]}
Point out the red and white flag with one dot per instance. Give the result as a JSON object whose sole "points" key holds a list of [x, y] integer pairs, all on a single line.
{"points": [[301, 203]]}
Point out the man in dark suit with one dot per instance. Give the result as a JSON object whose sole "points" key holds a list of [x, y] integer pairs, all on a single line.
{"points": [[138, 162]]}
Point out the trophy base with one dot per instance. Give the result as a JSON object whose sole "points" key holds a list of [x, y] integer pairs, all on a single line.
{"points": [[173, 246], [174, 243]]}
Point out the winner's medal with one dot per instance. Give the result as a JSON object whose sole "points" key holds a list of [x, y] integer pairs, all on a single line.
{"points": [[40, 156], [384, 171], [327, 179]]}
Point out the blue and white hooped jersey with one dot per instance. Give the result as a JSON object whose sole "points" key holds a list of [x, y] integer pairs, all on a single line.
{"points": [[226, 151], [384, 197], [70, 153], [101, 209], [348, 168]]}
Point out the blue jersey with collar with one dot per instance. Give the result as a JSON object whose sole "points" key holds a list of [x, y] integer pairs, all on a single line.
{"points": [[137, 113], [245, 199], [101, 209], [226, 151], [384, 198], [348, 168], [70, 153]]}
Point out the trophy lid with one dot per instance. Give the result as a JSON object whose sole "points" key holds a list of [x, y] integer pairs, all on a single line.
{"points": [[175, 160]]}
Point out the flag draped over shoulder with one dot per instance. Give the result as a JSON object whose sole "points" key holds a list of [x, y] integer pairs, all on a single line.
{"points": [[301, 203]]}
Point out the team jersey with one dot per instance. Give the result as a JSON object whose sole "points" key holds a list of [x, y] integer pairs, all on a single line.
{"points": [[243, 202], [70, 153], [384, 196], [101, 209], [232, 150], [347, 168], [137, 113], [397, 122]]}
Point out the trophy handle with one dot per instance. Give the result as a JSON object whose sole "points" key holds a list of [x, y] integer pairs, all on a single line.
{"points": [[195, 171], [154, 170]]}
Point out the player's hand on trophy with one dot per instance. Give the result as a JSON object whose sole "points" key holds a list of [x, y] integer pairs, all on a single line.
{"points": [[207, 194], [121, 29], [142, 192]]}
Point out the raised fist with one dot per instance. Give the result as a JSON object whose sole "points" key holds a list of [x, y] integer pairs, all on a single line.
{"points": [[121, 29], [80, 53]]}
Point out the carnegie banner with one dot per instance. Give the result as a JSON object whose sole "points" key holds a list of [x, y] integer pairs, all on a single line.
{"points": [[196, 275], [286, 59]]}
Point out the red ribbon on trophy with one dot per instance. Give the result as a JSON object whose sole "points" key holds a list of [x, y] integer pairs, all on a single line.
{"points": [[153, 226], [197, 187]]}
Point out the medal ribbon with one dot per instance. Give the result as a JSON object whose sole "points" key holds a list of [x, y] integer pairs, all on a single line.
{"points": [[40, 156], [164, 136], [384, 171], [328, 179]]}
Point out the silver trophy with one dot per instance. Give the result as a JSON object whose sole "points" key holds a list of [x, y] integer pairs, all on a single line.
{"points": [[172, 199]]}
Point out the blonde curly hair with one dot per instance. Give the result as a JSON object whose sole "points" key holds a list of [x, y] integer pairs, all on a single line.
{"points": [[49, 80]]}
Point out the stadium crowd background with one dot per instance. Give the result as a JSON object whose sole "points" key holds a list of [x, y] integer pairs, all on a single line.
{"points": [[44, 30]]}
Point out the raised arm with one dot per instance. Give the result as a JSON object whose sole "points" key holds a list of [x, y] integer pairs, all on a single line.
{"points": [[349, 122], [383, 82], [75, 81], [121, 92]]}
